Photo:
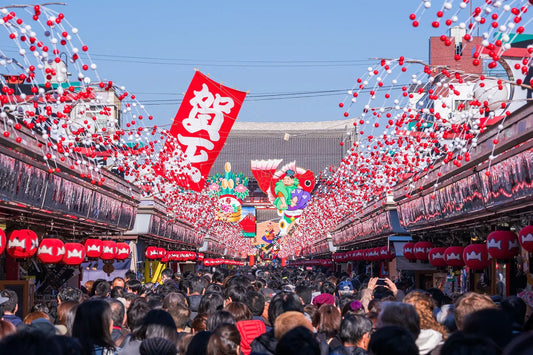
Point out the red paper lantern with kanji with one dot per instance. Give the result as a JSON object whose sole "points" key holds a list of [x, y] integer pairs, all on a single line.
{"points": [[22, 243], [199, 256], [476, 256], [93, 248], [74, 254], [152, 253], [123, 251], [3, 241], [109, 250], [454, 256], [51, 251], [162, 252], [525, 237], [409, 251], [436, 257], [422, 249], [502, 245]]}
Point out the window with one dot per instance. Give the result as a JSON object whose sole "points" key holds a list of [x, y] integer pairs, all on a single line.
{"points": [[459, 48]]}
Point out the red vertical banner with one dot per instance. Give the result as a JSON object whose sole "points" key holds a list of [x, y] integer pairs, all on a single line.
{"points": [[200, 128]]}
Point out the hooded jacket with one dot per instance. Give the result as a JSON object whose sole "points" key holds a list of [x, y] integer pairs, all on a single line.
{"points": [[427, 340]]}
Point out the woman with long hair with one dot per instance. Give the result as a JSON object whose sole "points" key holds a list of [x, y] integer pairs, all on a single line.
{"points": [[92, 327], [432, 334], [327, 322], [225, 340]]}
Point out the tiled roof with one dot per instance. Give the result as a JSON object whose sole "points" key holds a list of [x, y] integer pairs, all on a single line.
{"points": [[313, 145]]}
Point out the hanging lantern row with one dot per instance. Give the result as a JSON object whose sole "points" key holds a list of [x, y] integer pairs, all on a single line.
{"points": [[157, 253], [216, 262], [373, 254], [314, 262], [24, 243], [107, 249], [501, 245]]}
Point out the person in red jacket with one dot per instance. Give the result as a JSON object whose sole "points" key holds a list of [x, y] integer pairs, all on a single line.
{"points": [[248, 327]]}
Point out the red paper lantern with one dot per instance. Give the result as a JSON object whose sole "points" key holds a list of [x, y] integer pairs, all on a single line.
{"points": [[476, 256], [525, 237], [152, 253], [358, 255], [199, 256], [162, 252], [74, 254], [3, 241], [22, 243], [422, 249], [454, 256], [51, 251], [165, 257], [436, 257], [123, 251], [366, 254], [409, 251], [109, 250], [386, 254], [93, 248], [503, 245], [373, 254]]}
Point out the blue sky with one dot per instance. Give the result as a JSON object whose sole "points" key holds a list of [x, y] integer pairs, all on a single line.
{"points": [[273, 47]]}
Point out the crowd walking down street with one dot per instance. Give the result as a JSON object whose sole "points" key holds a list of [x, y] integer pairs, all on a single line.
{"points": [[311, 211], [266, 311]]}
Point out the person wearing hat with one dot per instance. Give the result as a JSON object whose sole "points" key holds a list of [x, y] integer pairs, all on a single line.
{"points": [[345, 288], [10, 306], [324, 298]]}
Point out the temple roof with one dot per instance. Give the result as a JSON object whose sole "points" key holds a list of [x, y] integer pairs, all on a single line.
{"points": [[313, 145]]}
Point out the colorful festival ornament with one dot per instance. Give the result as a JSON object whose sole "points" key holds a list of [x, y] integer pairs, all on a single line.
{"points": [[288, 189]]}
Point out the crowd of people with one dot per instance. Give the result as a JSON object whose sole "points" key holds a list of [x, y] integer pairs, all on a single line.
{"points": [[265, 311]]}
